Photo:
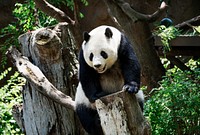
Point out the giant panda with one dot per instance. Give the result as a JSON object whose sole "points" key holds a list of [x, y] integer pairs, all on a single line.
{"points": [[107, 64]]}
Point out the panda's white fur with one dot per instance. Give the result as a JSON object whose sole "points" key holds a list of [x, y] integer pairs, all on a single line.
{"points": [[80, 97], [109, 71]]}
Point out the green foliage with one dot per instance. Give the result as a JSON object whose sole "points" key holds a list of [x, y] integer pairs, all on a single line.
{"points": [[29, 18], [174, 108], [10, 94], [167, 34]]}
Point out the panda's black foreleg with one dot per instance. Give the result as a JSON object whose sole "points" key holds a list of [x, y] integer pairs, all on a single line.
{"points": [[89, 119], [130, 66], [131, 73]]}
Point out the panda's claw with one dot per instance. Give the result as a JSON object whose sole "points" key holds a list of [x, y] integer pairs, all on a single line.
{"points": [[131, 87]]}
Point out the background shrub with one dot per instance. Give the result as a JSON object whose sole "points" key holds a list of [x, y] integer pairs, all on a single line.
{"points": [[175, 106], [10, 94]]}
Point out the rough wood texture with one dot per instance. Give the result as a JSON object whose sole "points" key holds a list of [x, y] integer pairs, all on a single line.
{"points": [[120, 114], [44, 48]]}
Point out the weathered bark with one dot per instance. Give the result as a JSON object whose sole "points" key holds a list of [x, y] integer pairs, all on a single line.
{"points": [[44, 48], [120, 114], [143, 43]]}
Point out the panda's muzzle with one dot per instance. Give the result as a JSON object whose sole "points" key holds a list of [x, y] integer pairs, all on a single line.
{"points": [[98, 69], [97, 65]]}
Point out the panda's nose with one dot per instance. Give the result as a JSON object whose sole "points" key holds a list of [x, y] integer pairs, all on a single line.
{"points": [[97, 65]]}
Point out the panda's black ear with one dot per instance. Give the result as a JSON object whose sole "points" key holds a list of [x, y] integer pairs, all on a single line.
{"points": [[86, 36], [108, 33]]}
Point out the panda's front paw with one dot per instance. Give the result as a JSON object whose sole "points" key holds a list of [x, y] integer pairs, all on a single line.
{"points": [[131, 87]]}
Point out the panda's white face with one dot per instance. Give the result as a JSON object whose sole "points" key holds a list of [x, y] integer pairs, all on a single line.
{"points": [[100, 48]]}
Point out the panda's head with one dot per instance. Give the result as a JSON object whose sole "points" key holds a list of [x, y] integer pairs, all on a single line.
{"points": [[100, 47]]}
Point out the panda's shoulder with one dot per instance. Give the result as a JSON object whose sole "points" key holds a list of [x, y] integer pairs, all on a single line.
{"points": [[125, 46]]}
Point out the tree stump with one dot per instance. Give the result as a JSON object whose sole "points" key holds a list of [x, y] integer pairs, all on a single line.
{"points": [[120, 114]]}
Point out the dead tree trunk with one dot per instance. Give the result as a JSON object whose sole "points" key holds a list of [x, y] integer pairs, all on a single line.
{"points": [[44, 48]]}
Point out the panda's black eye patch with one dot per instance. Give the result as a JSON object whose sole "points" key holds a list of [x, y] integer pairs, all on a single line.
{"points": [[104, 54], [91, 56]]}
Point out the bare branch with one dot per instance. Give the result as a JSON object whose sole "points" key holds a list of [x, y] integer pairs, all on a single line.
{"points": [[37, 79], [54, 12], [195, 20], [136, 16]]}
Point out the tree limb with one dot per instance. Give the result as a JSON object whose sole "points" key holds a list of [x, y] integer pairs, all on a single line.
{"points": [[54, 12], [195, 20], [136, 16], [33, 74]]}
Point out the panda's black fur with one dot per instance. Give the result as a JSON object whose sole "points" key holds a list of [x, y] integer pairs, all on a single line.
{"points": [[124, 73]]}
